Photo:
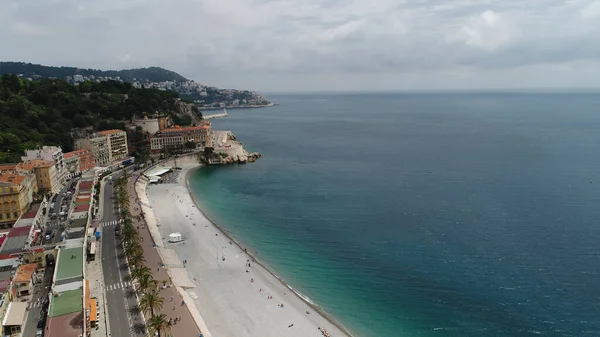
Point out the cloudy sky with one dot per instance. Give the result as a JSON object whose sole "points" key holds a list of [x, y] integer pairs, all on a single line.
{"points": [[311, 45]]}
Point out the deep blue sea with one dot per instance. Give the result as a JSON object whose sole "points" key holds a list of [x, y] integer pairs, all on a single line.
{"points": [[424, 214]]}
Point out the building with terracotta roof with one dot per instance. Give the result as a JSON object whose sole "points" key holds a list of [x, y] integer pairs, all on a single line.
{"points": [[86, 158], [107, 146], [24, 279], [177, 137], [52, 154], [18, 187], [48, 178]]}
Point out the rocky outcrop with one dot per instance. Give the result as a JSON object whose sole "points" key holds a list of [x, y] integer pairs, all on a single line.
{"points": [[188, 110]]}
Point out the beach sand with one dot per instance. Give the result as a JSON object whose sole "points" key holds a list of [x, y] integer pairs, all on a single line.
{"points": [[229, 304]]}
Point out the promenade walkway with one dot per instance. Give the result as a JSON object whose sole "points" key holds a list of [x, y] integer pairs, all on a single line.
{"points": [[186, 326]]}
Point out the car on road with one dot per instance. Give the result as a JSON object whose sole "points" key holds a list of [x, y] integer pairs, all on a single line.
{"points": [[39, 333]]}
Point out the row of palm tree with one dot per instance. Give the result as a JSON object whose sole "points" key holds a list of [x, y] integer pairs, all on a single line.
{"points": [[151, 302]]}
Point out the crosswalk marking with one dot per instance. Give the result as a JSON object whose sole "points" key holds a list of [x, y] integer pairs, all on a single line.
{"points": [[108, 223], [118, 285], [36, 304]]}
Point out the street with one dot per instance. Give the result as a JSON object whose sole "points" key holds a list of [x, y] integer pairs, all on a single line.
{"points": [[39, 303], [123, 312]]}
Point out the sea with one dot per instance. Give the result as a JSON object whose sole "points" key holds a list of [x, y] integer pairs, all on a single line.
{"points": [[423, 214]]}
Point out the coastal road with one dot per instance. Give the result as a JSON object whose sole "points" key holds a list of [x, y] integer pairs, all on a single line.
{"points": [[120, 300]]}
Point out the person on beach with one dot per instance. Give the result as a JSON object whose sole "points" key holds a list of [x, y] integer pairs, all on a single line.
{"points": [[171, 298]]}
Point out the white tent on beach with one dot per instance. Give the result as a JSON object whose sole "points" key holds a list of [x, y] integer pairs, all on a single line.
{"points": [[154, 175]]}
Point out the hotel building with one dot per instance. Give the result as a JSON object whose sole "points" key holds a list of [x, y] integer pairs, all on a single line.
{"points": [[177, 137]]}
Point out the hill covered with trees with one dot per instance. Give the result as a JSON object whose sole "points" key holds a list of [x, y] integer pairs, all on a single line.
{"points": [[29, 70], [44, 112]]}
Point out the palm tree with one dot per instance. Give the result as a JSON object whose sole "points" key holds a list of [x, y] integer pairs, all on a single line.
{"points": [[129, 234], [133, 248], [136, 260], [158, 323], [151, 301], [139, 273], [144, 283]]}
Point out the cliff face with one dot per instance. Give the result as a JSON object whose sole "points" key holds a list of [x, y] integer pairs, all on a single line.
{"points": [[189, 111]]}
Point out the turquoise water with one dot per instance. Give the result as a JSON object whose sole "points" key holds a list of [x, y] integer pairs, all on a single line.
{"points": [[424, 215]]}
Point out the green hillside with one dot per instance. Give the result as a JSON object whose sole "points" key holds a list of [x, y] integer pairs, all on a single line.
{"points": [[44, 112], [29, 70]]}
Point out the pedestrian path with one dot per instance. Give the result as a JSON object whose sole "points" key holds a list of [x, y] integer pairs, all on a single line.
{"points": [[118, 285], [108, 223], [37, 304]]}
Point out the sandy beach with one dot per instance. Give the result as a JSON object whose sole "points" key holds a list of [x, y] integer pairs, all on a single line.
{"points": [[230, 304]]}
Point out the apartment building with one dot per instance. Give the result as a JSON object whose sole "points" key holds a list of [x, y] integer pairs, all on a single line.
{"points": [[177, 137], [50, 153], [79, 161], [18, 186], [107, 146], [72, 163], [48, 180]]}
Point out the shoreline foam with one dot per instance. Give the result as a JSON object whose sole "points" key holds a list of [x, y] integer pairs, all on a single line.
{"points": [[240, 317]]}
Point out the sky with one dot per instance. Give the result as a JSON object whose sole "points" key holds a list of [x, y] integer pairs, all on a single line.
{"points": [[314, 45]]}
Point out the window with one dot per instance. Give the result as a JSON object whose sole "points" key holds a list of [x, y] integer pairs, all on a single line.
{"points": [[1, 216], [23, 284]]}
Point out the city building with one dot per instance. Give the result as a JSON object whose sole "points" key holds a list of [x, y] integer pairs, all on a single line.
{"points": [[18, 187], [107, 146], [177, 137], [24, 279], [72, 163], [164, 123], [149, 125], [48, 180], [50, 153]]}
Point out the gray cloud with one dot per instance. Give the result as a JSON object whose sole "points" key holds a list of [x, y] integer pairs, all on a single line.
{"points": [[315, 44]]}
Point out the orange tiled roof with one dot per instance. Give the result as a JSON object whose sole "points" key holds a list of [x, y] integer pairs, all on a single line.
{"points": [[82, 151], [12, 178], [26, 166], [7, 167], [189, 128], [69, 155], [24, 272], [40, 163], [110, 132]]}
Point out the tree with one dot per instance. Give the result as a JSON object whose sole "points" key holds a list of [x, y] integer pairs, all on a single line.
{"points": [[151, 302], [133, 248], [136, 260], [158, 324], [138, 273], [190, 145], [145, 283]]}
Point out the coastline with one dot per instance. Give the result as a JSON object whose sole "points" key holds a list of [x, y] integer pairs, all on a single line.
{"points": [[248, 313], [299, 295], [270, 105]]}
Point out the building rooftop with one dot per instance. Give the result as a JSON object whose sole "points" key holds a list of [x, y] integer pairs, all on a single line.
{"points": [[32, 212], [15, 315], [40, 163], [26, 166], [19, 231], [11, 178], [69, 325], [82, 208], [69, 155], [78, 222], [67, 302], [110, 132], [69, 264], [25, 271], [184, 129], [86, 185]]}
